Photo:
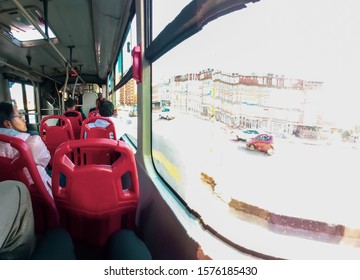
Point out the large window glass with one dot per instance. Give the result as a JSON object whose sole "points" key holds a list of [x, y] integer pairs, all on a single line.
{"points": [[126, 96], [128, 46], [16, 93], [164, 12], [110, 83], [21, 28], [31, 106], [256, 126], [118, 68], [126, 103]]}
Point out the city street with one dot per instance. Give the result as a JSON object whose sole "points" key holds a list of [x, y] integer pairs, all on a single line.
{"points": [[316, 182]]}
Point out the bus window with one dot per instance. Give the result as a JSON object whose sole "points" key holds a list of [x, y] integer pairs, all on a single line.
{"points": [[263, 118], [16, 94], [110, 83], [126, 100], [31, 107], [125, 97], [118, 68], [129, 44], [165, 11]]}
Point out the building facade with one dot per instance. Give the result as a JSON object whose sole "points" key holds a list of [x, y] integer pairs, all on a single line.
{"points": [[266, 102]]}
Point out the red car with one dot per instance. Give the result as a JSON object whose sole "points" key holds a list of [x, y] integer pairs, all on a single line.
{"points": [[263, 142]]}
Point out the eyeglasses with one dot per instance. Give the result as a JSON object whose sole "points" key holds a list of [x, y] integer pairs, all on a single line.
{"points": [[21, 116]]}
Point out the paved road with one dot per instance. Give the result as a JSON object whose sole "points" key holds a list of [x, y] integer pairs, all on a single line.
{"points": [[310, 181]]}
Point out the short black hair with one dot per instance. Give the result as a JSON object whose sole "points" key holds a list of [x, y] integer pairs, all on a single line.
{"points": [[106, 108], [6, 112], [69, 103]]}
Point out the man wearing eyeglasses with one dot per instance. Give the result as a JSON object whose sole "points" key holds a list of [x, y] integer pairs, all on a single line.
{"points": [[13, 123]]}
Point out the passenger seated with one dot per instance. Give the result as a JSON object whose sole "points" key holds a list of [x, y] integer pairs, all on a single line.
{"points": [[70, 105], [55, 244], [106, 109], [75, 116], [17, 230], [13, 124], [18, 240], [126, 245]]}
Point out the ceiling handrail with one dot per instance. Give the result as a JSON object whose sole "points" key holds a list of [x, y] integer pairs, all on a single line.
{"points": [[34, 23]]}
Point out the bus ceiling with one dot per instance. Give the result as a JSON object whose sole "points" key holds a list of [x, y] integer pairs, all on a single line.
{"points": [[76, 34]]}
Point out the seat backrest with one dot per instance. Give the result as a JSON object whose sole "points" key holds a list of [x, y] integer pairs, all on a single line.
{"points": [[89, 130], [97, 199], [94, 113], [76, 121], [23, 168], [53, 132]]}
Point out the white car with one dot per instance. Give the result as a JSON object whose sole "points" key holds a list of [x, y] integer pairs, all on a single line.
{"points": [[167, 114], [247, 134]]}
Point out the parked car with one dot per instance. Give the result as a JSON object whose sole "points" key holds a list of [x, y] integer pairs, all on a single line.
{"points": [[246, 134], [263, 142], [167, 114]]}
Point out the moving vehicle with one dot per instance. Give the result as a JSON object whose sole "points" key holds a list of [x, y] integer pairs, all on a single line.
{"points": [[133, 112], [262, 142], [188, 56], [246, 134], [167, 114]]}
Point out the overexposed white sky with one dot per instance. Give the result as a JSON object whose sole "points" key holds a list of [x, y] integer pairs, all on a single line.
{"points": [[306, 39]]}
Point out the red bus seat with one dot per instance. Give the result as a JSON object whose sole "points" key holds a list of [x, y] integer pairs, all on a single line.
{"points": [[55, 130], [97, 132], [76, 121], [97, 199], [94, 113], [23, 168]]}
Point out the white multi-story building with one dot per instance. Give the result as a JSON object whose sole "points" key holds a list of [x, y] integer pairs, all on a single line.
{"points": [[268, 102]]}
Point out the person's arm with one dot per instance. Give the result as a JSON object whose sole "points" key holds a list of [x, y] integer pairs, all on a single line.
{"points": [[39, 150]]}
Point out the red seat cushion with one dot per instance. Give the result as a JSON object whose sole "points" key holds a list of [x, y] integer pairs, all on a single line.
{"points": [[76, 121]]}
